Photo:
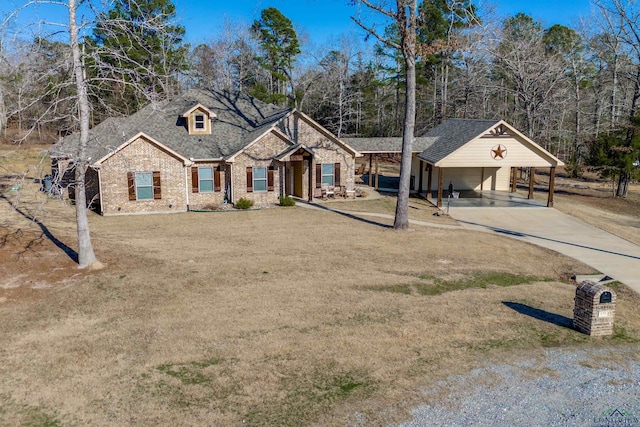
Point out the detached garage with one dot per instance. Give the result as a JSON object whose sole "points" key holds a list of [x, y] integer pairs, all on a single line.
{"points": [[470, 156], [478, 155]]}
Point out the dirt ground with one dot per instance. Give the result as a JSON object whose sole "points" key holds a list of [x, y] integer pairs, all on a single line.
{"points": [[284, 316]]}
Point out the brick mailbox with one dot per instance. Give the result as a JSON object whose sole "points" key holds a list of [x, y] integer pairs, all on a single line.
{"points": [[594, 310]]}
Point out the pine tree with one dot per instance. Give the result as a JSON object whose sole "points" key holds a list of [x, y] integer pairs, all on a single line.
{"points": [[280, 46], [137, 45]]}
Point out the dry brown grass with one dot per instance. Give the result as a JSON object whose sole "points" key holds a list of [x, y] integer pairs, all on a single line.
{"points": [[592, 201], [272, 317]]}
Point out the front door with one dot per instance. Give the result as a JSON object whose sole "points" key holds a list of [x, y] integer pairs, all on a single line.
{"points": [[297, 169]]}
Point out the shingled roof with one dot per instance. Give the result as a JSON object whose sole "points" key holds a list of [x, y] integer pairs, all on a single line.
{"points": [[451, 135], [386, 144], [239, 120], [434, 145]]}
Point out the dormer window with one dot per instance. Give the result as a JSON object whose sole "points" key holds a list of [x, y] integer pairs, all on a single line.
{"points": [[198, 120]]}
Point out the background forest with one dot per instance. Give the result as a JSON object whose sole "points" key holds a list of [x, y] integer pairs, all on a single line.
{"points": [[575, 91]]}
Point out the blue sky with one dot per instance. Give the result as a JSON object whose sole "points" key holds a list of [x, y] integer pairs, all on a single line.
{"points": [[322, 20]]}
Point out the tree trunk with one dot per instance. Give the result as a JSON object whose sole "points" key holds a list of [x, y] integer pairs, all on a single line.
{"points": [[623, 185], [86, 256], [401, 221]]}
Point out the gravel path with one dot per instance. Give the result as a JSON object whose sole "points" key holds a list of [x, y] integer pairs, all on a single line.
{"points": [[565, 387]]}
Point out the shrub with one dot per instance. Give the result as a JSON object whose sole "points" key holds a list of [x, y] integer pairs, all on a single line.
{"points": [[211, 207], [287, 201], [243, 203]]}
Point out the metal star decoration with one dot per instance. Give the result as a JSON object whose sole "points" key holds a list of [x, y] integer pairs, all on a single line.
{"points": [[499, 152]]}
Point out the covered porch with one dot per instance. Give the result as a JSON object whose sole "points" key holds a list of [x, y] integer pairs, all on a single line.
{"points": [[479, 186]]}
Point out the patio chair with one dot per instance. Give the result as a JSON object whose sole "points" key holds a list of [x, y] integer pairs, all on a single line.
{"points": [[324, 187], [339, 191], [331, 192]]}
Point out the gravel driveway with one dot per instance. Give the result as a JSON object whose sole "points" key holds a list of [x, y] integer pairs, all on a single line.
{"points": [[564, 387]]}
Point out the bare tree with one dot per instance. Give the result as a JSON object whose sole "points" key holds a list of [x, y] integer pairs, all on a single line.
{"points": [[621, 21], [79, 83], [405, 16], [226, 62]]}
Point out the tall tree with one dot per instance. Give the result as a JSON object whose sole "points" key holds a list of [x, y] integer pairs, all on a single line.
{"points": [[226, 62], [280, 46], [405, 16], [626, 16], [439, 24], [79, 83], [568, 45], [534, 77], [139, 51]]}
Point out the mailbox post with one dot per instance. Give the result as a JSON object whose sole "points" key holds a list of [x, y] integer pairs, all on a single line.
{"points": [[594, 310]]}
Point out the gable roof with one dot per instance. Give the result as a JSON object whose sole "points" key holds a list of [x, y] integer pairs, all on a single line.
{"points": [[198, 106], [450, 135], [239, 119], [148, 139], [453, 134]]}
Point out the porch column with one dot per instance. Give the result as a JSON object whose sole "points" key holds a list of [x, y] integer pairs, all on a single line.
{"points": [[370, 170], [482, 179], [552, 184], [532, 173], [377, 174], [440, 187], [514, 177], [420, 180], [429, 180], [311, 174]]}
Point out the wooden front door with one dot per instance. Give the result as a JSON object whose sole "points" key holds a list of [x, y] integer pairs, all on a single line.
{"points": [[297, 169]]}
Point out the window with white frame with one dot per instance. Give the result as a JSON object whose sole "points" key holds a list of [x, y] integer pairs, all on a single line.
{"points": [[328, 174], [144, 185], [205, 178], [259, 179], [199, 121]]}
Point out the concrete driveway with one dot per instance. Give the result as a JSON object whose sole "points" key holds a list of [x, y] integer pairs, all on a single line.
{"points": [[555, 230]]}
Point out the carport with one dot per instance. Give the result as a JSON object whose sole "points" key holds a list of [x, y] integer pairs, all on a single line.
{"points": [[478, 159]]}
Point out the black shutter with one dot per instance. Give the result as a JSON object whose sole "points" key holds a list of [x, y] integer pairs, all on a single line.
{"points": [[336, 173]]}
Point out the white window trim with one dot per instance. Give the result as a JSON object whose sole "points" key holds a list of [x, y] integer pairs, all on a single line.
{"points": [[213, 182], [332, 174], [135, 181], [196, 122], [265, 179]]}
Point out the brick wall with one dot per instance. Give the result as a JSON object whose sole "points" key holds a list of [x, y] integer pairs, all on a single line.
{"points": [[259, 154], [325, 150], [142, 156], [590, 316], [200, 199]]}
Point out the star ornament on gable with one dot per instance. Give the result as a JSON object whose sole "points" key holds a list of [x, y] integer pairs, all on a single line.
{"points": [[499, 152]]}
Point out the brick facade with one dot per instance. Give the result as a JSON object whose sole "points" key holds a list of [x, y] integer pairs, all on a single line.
{"points": [[142, 156], [117, 187], [200, 199], [259, 154], [324, 149]]}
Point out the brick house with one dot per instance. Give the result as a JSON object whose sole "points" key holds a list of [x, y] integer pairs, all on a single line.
{"points": [[206, 147]]}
